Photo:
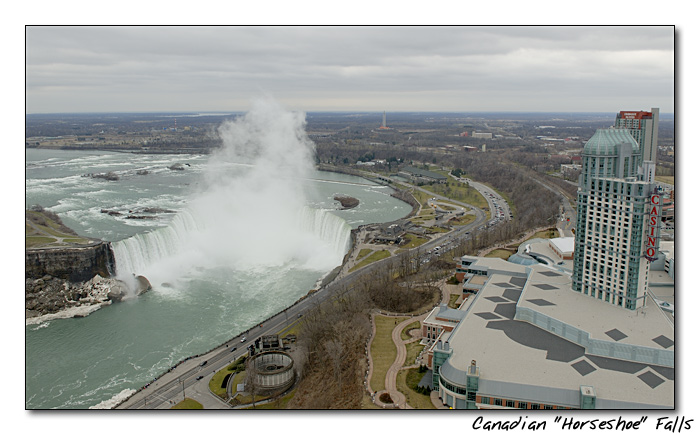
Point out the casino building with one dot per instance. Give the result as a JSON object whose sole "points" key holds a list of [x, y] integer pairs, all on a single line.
{"points": [[644, 128], [614, 220], [523, 339]]}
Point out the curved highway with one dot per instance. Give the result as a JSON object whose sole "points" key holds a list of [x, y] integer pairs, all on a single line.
{"points": [[191, 377]]}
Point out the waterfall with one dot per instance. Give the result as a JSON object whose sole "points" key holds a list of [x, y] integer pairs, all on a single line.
{"points": [[316, 240], [135, 254], [250, 217], [328, 227]]}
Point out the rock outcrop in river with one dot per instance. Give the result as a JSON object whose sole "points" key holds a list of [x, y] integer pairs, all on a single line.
{"points": [[346, 202]]}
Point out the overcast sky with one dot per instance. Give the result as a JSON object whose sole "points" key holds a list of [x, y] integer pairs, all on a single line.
{"points": [[541, 69]]}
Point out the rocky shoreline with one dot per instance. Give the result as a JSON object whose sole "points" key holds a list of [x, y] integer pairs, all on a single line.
{"points": [[49, 297]]}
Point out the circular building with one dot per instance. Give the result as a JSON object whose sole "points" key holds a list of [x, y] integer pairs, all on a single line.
{"points": [[273, 371]]}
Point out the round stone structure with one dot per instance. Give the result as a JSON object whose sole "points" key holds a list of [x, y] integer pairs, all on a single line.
{"points": [[273, 370]]}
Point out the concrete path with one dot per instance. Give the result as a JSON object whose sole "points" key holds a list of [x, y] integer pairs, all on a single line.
{"points": [[397, 397]]}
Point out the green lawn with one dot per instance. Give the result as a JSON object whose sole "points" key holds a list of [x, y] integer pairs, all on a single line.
{"points": [[413, 241], [463, 220], [412, 352], [216, 380], [404, 333], [188, 404], [668, 179], [277, 404], [453, 301], [500, 253], [375, 256], [363, 253], [546, 234], [458, 192], [383, 349], [52, 229], [416, 400]]}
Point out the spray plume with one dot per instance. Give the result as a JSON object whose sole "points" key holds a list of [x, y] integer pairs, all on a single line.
{"points": [[251, 213]]}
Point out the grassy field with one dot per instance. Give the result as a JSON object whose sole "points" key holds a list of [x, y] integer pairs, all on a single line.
{"points": [[422, 198], [363, 253], [218, 378], [668, 179], [413, 398], [383, 349], [413, 241], [458, 192], [375, 256], [412, 351], [546, 234], [276, 404], [367, 403], [453, 301], [404, 334], [500, 253], [461, 221], [188, 404], [49, 231]]}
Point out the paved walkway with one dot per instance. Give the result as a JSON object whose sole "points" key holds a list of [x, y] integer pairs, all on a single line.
{"points": [[397, 397]]}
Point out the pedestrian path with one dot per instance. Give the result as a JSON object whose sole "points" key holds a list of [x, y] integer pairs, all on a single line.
{"points": [[390, 387]]}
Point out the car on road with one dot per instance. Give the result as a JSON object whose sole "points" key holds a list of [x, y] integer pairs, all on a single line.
{"points": [[203, 364], [199, 377], [243, 340], [233, 348]]}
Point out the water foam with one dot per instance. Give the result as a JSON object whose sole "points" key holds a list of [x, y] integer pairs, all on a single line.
{"points": [[114, 401], [250, 210]]}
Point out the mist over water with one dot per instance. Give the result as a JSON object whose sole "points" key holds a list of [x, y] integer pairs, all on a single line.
{"points": [[252, 234], [250, 211]]}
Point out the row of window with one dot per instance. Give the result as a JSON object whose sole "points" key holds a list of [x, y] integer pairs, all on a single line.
{"points": [[484, 400]]}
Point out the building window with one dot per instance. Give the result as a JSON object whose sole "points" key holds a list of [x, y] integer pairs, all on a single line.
{"points": [[498, 402], [510, 403], [522, 405], [471, 396], [486, 400], [534, 406]]}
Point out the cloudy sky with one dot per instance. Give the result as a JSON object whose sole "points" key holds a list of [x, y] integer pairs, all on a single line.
{"points": [[398, 68]]}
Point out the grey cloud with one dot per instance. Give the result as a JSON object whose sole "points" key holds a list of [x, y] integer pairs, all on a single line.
{"points": [[326, 65]]}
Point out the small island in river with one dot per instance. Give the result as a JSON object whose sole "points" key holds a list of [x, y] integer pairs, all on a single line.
{"points": [[346, 202]]}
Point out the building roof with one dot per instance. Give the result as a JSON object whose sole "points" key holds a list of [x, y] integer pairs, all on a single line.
{"points": [[442, 313], [606, 141], [563, 244], [523, 259], [516, 355]]}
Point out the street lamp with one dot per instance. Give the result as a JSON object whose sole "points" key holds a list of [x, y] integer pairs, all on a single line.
{"points": [[183, 388]]}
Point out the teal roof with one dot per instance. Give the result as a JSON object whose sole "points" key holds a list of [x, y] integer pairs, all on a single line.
{"points": [[523, 259], [606, 141]]}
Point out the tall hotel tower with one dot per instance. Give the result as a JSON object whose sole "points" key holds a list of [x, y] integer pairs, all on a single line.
{"points": [[644, 128], [617, 220]]}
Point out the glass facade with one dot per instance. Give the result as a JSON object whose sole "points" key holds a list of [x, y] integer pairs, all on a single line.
{"points": [[611, 221]]}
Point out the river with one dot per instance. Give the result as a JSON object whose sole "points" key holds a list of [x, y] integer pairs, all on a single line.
{"points": [[225, 245]]}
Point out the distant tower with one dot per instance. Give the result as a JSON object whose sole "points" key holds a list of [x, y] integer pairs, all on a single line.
{"points": [[644, 128], [384, 120]]}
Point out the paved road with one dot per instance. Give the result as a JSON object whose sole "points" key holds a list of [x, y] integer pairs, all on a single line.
{"points": [[567, 221], [181, 381]]}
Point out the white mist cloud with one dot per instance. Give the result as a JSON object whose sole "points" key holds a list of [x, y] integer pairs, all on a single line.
{"points": [[252, 212]]}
